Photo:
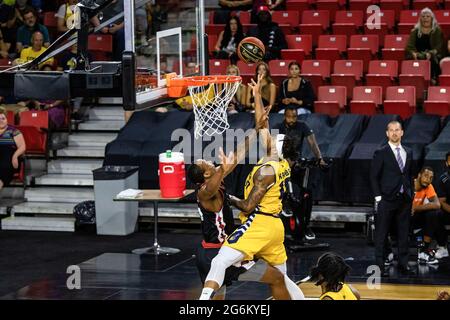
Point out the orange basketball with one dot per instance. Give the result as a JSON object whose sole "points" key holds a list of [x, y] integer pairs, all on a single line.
{"points": [[251, 50]]}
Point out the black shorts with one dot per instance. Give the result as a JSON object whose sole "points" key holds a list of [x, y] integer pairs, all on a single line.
{"points": [[203, 260]]}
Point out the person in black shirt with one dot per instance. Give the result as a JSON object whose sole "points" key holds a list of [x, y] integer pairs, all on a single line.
{"points": [[270, 34], [300, 130], [296, 92], [443, 191]]}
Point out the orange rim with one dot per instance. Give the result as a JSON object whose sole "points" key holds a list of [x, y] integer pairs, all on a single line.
{"points": [[201, 80]]}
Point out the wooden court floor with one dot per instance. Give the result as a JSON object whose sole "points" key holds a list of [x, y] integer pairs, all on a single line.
{"points": [[387, 291]]}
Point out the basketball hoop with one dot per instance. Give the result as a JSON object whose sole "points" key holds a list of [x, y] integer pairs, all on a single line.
{"points": [[210, 98]]}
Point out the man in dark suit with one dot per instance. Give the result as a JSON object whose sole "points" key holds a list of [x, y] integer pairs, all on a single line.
{"points": [[391, 180]]}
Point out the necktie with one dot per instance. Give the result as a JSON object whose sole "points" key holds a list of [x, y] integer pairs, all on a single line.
{"points": [[401, 165]]}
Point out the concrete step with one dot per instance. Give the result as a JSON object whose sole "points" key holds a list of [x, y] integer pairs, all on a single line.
{"points": [[85, 152], [95, 125], [83, 139], [107, 111], [71, 166], [47, 208], [65, 180], [59, 195], [39, 224]]}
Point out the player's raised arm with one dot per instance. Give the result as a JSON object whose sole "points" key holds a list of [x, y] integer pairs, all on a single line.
{"points": [[244, 147], [262, 180], [259, 113]]}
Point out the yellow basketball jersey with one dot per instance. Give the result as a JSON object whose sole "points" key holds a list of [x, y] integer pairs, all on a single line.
{"points": [[344, 294], [272, 201]]}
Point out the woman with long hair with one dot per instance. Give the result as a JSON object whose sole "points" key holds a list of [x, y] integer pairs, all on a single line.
{"points": [[237, 103], [268, 87], [296, 92], [229, 39], [426, 42]]}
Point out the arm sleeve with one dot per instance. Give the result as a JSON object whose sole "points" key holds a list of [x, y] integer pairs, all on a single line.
{"points": [[431, 193], [61, 12]]}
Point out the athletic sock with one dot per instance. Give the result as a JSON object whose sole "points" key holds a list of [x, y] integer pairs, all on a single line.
{"points": [[294, 291], [207, 294]]}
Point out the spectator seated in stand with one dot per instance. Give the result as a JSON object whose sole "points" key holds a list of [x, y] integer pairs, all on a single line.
{"points": [[228, 40], [222, 15], [272, 5], [426, 215], [36, 49], [268, 87], [30, 26], [237, 103], [426, 42], [270, 34], [296, 92], [65, 14], [4, 47], [12, 146], [443, 191]]}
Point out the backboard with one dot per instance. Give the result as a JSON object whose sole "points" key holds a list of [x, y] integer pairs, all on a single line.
{"points": [[164, 36]]}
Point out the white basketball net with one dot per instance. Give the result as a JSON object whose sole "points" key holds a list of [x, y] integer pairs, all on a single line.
{"points": [[210, 103]]}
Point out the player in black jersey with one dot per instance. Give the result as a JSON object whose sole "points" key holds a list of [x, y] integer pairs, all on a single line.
{"points": [[217, 223]]}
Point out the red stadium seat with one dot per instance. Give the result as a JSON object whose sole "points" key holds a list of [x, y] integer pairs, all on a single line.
{"points": [[387, 23], [35, 140], [300, 41], [415, 73], [408, 19], [382, 73], [347, 73], [396, 5], [331, 5], [10, 117], [443, 18], [218, 66], [289, 17], [5, 63], [444, 78], [400, 101], [50, 20], [348, 23], [212, 40], [246, 27], [394, 47], [279, 70], [100, 46], [360, 4], [247, 71], [317, 71], [421, 4], [244, 16], [314, 23], [438, 101], [34, 127], [363, 47], [331, 47], [298, 5], [214, 29], [293, 54], [366, 100], [331, 100]]}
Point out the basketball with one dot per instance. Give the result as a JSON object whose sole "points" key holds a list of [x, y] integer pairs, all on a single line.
{"points": [[251, 50]]}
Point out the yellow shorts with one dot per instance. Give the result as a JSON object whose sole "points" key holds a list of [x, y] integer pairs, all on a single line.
{"points": [[260, 236]]}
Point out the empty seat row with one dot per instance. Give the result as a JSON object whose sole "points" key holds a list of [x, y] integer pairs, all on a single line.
{"points": [[367, 100]]}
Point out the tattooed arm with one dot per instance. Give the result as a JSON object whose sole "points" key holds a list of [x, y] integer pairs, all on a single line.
{"points": [[262, 180]]}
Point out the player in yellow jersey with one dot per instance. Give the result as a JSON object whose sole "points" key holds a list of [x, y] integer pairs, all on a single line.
{"points": [[329, 273], [262, 233]]}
